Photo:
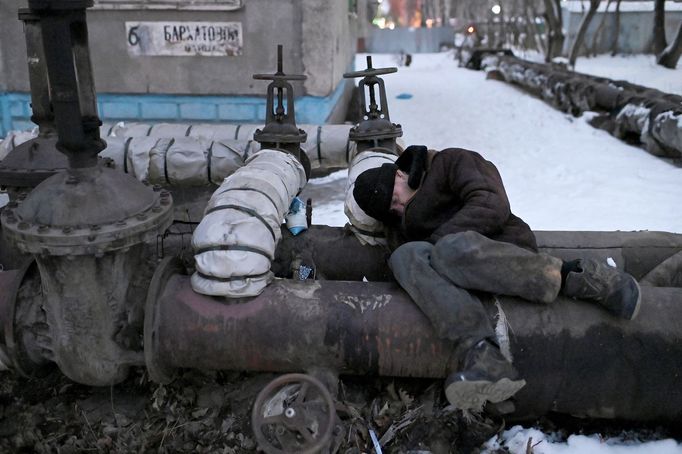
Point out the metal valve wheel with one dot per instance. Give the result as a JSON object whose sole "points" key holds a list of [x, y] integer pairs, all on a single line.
{"points": [[293, 414], [370, 72]]}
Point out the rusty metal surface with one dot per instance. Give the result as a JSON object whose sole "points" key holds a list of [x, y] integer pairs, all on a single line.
{"points": [[336, 253], [352, 327], [579, 360], [576, 358]]}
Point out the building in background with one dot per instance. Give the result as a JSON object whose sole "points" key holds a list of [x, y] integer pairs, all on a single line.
{"points": [[193, 60], [635, 30]]}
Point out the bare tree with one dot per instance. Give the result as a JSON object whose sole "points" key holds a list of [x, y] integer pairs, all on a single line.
{"points": [[533, 30], [555, 34], [671, 54], [659, 43], [600, 29], [582, 29], [616, 32]]}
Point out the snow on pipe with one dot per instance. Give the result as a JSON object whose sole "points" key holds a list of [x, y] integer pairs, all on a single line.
{"points": [[659, 132], [367, 229], [183, 154], [235, 242], [651, 115]]}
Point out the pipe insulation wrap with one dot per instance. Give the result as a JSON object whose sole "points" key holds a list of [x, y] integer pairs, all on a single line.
{"points": [[213, 151], [14, 139], [367, 229], [235, 242], [181, 161]]}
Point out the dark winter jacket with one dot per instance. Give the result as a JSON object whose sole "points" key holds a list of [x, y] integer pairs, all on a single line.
{"points": [[458, 191]]}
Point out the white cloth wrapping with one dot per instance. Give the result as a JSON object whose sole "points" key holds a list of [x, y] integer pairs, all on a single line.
{"points": [[143, 149], [14, 139], [367, 229], [327, 145], [236, 240], [185, 161]]}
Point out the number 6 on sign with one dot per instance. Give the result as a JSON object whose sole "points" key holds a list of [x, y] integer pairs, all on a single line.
{"points": [[210, 39]]}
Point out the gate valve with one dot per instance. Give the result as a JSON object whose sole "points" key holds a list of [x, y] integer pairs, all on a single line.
{"points": [[375, 124], [280, 130]]}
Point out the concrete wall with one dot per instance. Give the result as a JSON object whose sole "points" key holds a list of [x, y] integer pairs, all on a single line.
{"points": [[636, 30], [317, 35], [410, 40]]}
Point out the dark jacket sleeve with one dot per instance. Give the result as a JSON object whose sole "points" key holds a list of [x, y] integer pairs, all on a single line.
{"points": [[478, 188]]}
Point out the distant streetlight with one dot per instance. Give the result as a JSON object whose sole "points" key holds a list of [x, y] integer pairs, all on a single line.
{"points": [[496, 9]]}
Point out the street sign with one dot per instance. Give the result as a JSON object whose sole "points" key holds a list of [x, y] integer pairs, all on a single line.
{"points": [[208, 39]]}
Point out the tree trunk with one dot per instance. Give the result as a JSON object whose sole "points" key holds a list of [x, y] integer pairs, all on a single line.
{"points": [[555, 35], [659, 42], [580, 36], [671, 54], [600, 29], [533, 28], [616, 33]]}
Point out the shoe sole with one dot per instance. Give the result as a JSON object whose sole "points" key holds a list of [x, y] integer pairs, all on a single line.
{"points": [[472, 395]]}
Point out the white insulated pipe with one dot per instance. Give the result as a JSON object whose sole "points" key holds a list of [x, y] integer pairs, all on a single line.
{"points": [[199, 154], [234, 244], [367, 229]]}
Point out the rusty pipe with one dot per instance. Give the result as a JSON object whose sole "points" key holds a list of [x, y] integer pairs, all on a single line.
{"points": [[576, 358], [351, 327]]}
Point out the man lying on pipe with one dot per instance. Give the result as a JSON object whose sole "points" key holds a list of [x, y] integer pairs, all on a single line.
{"points": [[452, 233]]}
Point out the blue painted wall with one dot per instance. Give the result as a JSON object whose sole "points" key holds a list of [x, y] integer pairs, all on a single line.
{"points": [[15, 109]]}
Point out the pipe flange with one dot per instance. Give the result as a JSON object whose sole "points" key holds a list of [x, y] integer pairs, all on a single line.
{"points": [[11, 353], [95, 239], [158, 371]]}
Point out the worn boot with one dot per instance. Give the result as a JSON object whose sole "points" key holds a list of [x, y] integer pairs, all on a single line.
{"points": [[615, 290], [484, 376]]}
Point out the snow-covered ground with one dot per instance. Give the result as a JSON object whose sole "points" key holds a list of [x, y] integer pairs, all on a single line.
{"points": [[560, 173], [638, 69], [516, 440]]}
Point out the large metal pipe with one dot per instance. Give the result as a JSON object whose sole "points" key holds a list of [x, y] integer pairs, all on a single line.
{"points": [[336, 254], [576, 358]]}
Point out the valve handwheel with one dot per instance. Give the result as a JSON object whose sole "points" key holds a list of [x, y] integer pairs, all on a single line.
{"points": [[293, 414]]}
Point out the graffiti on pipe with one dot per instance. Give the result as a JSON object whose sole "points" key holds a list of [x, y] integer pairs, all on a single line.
{"points": [[363, 304], [207, 39]]}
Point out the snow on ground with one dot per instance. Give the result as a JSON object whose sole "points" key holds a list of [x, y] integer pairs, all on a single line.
{"points": [[560, 173], [637, 69], [515, 440]]}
